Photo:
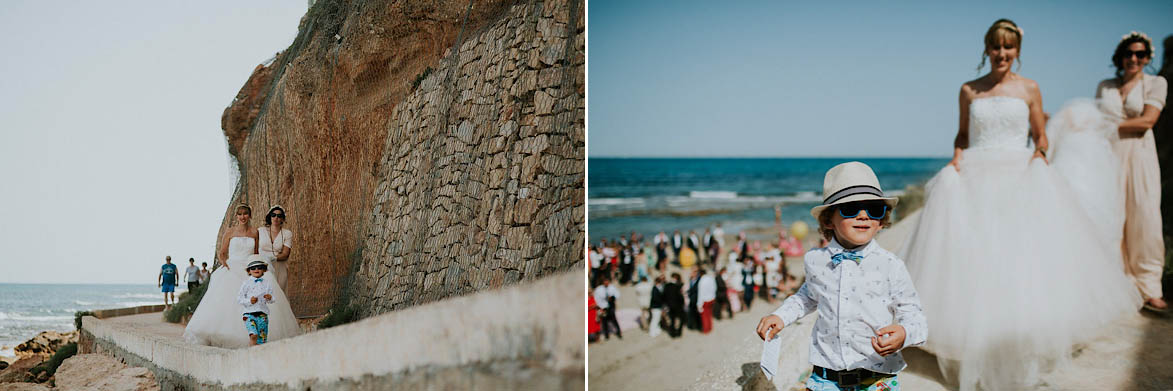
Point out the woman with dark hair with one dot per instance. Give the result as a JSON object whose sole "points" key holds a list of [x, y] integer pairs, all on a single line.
{"points": [[276, 242], [1136, 99]]}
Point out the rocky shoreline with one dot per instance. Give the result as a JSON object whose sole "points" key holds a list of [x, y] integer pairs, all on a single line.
{"points": [[28, 369]]}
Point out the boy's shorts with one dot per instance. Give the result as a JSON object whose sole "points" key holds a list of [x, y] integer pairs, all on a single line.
{"points": [[168, 288], [887, 383], [257, 323]]}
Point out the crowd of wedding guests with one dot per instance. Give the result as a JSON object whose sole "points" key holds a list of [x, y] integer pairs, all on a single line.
{"points": [[685, 281]]}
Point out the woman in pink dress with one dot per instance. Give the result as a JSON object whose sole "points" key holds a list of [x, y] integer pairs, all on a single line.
{"points": [[1136, 99]]}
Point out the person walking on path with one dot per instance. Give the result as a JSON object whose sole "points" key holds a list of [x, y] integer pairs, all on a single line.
{"points": [[192, 274], [167, 278]]}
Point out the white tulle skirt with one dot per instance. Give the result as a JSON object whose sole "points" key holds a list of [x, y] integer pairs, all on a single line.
{"points": [[1016, 261], [217, 321]]}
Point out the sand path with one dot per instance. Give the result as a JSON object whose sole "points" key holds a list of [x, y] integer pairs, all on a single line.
{"points": [[1135, 354]]}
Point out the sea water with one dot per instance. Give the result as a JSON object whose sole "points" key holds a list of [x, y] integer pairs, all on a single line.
{"points": [[28, 309], [649, 195]]}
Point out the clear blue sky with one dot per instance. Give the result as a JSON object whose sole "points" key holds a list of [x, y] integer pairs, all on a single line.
{"points": [[112, 155], [705, 78]]}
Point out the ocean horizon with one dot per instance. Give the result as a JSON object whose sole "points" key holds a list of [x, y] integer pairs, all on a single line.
{"points": [[26, 309], [653, 194]]}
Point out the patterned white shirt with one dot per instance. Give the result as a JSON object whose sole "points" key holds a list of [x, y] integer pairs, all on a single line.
{"points": [[854, 299], [258, 288]]}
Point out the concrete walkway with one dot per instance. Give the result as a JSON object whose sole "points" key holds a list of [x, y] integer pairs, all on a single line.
{"points": [[152, 323], [527, 336]]}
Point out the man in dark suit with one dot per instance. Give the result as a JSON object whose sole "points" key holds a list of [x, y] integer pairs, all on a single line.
{"points": [[674, 299], [694, 315], [656, 306]]}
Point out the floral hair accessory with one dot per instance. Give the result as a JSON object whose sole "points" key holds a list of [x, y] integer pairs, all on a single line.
{"points": [[1137, 34]]}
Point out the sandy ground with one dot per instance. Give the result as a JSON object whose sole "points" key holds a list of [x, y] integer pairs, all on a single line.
{"points": [[1135, 354]]}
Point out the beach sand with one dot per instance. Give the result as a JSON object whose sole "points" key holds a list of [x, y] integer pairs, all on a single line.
{"points": [[1134, 354]]}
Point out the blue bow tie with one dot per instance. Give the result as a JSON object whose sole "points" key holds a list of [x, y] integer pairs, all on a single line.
{"points": [[848, 255], [258, 280]]}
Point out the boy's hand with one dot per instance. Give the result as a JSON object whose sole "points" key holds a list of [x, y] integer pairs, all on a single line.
{"points": [[254, 300], [268, 297], [888, 339], [769, 326]]}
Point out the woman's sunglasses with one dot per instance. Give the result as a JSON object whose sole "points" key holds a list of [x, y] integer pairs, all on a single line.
{"points": [[875, 210], [272, 215], [1140, 54]]}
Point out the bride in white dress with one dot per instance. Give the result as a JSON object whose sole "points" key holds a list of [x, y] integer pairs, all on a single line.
{"points": [[1017, 260], [217, 320]]}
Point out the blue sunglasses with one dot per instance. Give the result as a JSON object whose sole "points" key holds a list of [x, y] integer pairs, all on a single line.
{"points": [[875, 210]]}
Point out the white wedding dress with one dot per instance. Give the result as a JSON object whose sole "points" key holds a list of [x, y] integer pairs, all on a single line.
{"points": [[1016, 261], [217, 320]]}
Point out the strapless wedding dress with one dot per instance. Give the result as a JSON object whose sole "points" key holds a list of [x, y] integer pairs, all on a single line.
{"points": [[217, 320], [1016, 260]]}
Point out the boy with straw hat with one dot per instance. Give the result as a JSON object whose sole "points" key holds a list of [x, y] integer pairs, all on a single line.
{"points": [[868, 308]]}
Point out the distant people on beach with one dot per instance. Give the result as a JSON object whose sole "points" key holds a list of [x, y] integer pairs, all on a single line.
{"points": [[677, 243], [168, 275], [605, 295], [721, 282], [276, 243], [656, 307], [674, 299], [192, 274], [643, 296], [1136, 99], [706, 297], [592, 318]]}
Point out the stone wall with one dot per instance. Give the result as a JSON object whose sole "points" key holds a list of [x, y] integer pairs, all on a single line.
{"points": [[481, 180], [362, 107]]}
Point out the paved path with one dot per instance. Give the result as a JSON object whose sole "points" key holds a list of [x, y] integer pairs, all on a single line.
{"points": [[151, 323]]}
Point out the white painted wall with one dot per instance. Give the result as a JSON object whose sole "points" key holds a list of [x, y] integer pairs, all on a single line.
{"points": [[545, 317]]}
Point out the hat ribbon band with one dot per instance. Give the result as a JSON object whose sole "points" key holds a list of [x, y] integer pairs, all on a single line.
{"points": [[852, 190]]}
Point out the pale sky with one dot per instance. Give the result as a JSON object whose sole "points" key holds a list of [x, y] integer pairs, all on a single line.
{"points": [[697, 78], [111, 152]]}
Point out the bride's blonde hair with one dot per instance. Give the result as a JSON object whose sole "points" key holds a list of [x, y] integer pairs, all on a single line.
{"points": [[1002, 31]]}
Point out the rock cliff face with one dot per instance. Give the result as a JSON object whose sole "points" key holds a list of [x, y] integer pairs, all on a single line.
{"points": [[420, 150]]}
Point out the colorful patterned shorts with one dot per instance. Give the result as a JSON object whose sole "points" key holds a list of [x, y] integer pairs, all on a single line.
{"points": [[257, 323], [888, 383]]}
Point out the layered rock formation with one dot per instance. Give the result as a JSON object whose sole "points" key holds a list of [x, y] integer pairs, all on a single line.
{"points": [[436, 149]]}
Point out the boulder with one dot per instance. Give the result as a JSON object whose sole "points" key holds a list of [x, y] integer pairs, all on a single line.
{"points": [[103, 373], [19, 371], [45, 343]]}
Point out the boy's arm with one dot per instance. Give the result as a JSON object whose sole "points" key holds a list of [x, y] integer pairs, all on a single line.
{"points": [[798, 305], [906, 308], [269, 291]]}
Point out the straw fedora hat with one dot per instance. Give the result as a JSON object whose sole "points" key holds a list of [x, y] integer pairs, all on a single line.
{"points": [[850, 182]]}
